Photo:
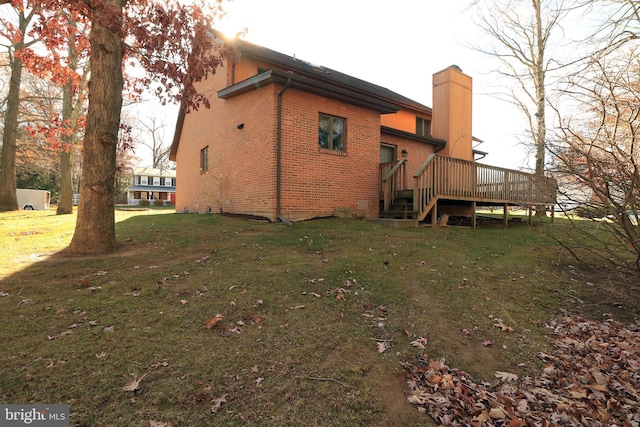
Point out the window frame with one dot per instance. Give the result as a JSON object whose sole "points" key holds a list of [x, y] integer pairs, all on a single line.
{"points": [[423, 126], [392, 147], [204, 159], [330, 141]]}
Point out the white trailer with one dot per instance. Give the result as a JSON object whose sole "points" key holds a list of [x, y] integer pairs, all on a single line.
{"points": [[33, 199]]}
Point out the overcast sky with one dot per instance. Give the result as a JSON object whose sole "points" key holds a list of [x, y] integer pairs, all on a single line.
{"points": [[396, 44]]}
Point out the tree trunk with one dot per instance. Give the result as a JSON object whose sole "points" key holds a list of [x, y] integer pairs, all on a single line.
{"points": [[65, 201], [539, 81], [95, 225], [8, 198]]}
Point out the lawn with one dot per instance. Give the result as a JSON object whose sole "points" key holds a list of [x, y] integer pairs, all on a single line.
{"points": [[216, 320]]}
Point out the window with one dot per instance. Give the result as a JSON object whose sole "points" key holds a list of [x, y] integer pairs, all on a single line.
{"points": [[143, 180], [156, 180], [168, 182], [423, 126], [204, 159], [331, 133], [387, 153]]}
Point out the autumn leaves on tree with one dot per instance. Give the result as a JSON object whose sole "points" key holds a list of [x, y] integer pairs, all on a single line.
{"points": [[169, 40]]}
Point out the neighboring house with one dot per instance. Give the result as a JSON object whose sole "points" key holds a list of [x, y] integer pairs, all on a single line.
{"points": [[158, 186], [288, 140]]}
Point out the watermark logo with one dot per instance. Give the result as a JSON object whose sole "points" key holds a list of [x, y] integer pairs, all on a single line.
{"points": [[34, 415]]}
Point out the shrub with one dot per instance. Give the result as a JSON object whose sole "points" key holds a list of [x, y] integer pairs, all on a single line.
{"points": [[144, 202], [158, 203]]}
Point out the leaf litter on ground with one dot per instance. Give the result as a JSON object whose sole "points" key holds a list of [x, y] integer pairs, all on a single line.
{"points": [[591, 378]]}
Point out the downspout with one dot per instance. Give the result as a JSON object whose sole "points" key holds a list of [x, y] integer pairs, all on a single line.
{"points": [[279, 154]]}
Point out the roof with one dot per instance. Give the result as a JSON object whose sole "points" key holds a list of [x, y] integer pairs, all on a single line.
{"points": [[291, 63], [152, 188], [154, 172]]}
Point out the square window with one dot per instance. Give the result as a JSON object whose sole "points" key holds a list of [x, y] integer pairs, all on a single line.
{"points": [[204, 159], [331, 132]]}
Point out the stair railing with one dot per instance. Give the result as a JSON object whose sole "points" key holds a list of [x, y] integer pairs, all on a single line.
{"points": [[424, 189], [394, 181]]}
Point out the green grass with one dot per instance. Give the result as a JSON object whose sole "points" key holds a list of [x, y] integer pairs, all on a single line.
{"points": [[297, 344]]}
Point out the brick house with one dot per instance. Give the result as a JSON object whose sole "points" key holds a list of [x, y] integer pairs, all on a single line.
{"points": [[288, 140]]}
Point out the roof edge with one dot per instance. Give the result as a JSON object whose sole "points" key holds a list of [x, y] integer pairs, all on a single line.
{"points": [[402, 134]]}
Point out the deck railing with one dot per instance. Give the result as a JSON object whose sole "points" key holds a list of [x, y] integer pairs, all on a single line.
{"points": [[441, 177]]}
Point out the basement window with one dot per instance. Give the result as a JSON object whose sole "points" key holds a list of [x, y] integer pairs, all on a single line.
{"points": [[331, 132], [204, 159]]}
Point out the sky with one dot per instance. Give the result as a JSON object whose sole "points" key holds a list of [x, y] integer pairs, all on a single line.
{"points": [[396, 44]]}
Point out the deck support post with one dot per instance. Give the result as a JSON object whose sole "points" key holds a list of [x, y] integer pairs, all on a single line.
{"points": [[505, 219], [434, 214], [473, 215], [530, 216], [553, 211]]}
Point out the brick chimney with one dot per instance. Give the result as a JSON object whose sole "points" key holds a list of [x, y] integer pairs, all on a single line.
{"points": [[452, 112]]}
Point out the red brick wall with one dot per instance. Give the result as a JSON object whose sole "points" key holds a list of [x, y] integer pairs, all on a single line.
{"points": [[241, 175], [417, 153], [316, 182]]}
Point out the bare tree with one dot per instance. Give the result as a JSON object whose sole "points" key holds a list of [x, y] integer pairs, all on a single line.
{"points": [[522, 33], [598, 150], [153, 127]]}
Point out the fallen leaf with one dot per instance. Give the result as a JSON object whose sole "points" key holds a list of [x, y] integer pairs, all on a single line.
{"points": [[134, 384], [217, 402], [487, 343], [153, 423], [382, 346], [157, 365], [213, 321], [420, 342], [506, 376], [109, 329], [340, 296], [498, 413], [503, 327]]}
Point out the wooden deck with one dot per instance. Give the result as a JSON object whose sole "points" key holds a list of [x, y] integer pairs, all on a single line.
{"points": [[446, 178]]}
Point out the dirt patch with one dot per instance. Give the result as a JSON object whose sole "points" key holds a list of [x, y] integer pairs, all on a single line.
{"points": [[391, 390]]}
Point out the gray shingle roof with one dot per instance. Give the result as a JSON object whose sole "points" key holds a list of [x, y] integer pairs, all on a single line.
{"points": [[319, 72]]}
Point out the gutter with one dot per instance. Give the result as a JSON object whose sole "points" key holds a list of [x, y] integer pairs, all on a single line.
{"points": [[279, 154]]}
